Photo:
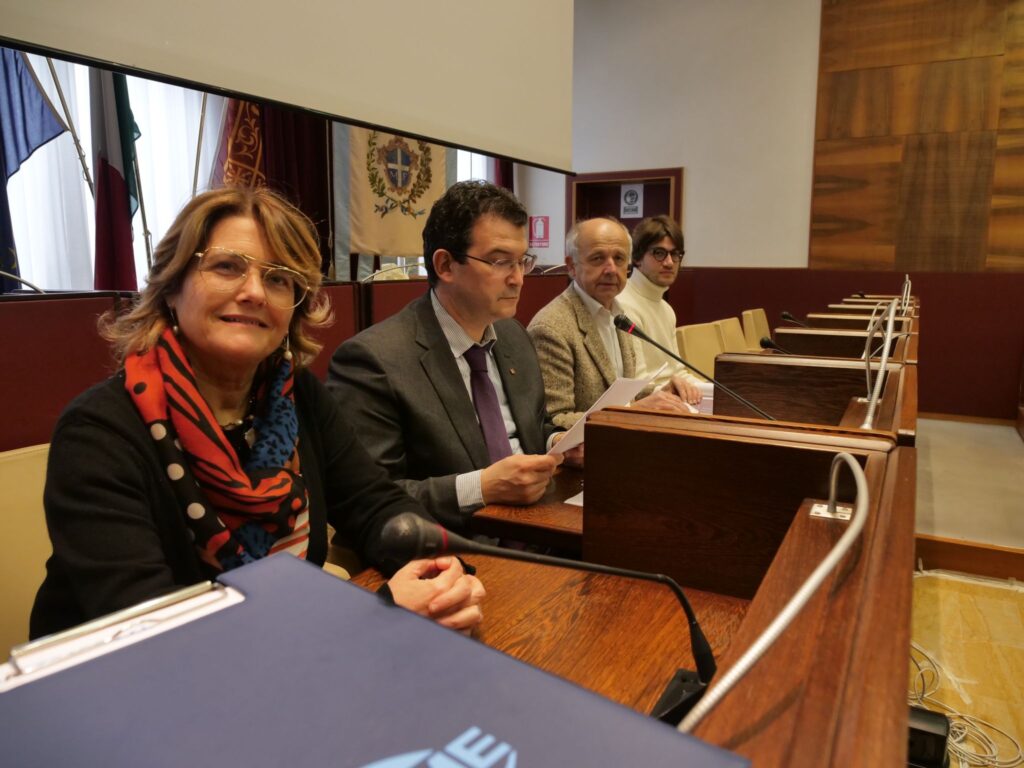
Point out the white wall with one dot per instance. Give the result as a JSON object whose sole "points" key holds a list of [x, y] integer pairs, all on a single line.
{"points": [[543, 194], [724, 88]]}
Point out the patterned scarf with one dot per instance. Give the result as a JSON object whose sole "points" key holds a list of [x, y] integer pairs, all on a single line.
{"points": [[236, 514]]}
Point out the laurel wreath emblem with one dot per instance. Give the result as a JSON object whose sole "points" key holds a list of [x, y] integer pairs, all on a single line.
{"points": [[392, 200]]}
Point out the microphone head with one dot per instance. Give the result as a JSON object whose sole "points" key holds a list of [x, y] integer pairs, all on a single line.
{"points": [[787, 316], [623, 323], [408, 536], [767, 343]]}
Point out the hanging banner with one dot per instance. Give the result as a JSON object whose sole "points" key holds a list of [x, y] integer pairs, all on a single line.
{"points": [[384, 187]]}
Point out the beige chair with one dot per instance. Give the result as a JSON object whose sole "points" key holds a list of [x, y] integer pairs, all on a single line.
{"points": [[23, 565], [730, 335], [699, 345], [755, 327]]}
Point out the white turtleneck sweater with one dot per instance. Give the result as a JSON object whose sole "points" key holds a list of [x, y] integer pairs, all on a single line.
{"points": [[645, 305]]}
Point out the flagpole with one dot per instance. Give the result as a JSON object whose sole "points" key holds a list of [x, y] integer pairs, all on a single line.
{"points": [[199, 145], [331, 271], [147, 236], [71, 127]]}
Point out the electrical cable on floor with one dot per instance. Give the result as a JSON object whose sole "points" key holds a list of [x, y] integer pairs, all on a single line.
{"points": [[970, 742]]}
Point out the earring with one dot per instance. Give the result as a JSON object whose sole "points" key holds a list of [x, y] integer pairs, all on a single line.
{"points": [[174, 322], [287, 349]]}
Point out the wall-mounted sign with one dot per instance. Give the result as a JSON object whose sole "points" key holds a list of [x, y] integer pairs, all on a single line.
{"points": [[632, 201], [540, 231]]}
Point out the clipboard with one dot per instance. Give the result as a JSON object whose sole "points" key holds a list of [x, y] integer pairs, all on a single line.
{"points": [[294, 666]]}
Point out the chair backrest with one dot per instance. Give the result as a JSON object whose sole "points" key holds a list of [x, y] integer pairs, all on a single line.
{"points": [[23, 565], [755, 327], [699, 345], [730, 335]]}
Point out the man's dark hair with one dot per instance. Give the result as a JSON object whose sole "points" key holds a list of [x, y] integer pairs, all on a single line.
{"points": [[451, 221], [653, 230]]}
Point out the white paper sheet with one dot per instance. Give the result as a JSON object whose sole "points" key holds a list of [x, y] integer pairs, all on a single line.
{"points": [[621, 392]]}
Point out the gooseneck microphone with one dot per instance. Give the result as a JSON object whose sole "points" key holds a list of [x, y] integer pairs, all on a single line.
{"points": [[626, 325], [767, 343], [409, 536], [790, 319]]}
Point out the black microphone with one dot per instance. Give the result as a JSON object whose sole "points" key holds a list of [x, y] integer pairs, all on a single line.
{"points": [[623, 323], [767, 343], [408, 536], [790, 319], [861, 294]]}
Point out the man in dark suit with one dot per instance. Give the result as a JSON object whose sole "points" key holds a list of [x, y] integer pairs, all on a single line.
{"points": [[447, 394]]}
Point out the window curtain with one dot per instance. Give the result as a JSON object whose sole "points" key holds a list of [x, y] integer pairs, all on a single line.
{"points": [[52, 210], [51, 207]]}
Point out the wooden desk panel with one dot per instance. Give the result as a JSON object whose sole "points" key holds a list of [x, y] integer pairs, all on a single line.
{"points": [[827, 342], [854, 322], [832, 691], [812, 390], [618, 637], [708, 505]]}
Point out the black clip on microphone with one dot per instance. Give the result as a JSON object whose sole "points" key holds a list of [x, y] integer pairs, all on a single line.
{"points": [[624, 324], [408, 536], [790, 319]]}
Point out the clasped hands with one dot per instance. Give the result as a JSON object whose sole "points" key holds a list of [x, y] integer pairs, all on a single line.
{"points": [[440, 589]]}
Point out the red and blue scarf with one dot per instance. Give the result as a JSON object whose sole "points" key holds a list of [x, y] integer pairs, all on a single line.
{"points": [[236, 513]]}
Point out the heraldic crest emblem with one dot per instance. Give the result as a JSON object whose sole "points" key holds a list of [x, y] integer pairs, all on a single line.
{"points": [[398, 175]]}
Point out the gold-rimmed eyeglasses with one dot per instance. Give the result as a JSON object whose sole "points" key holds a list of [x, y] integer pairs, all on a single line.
{"points": [[660, 254], [505, 266], [224, 270]]}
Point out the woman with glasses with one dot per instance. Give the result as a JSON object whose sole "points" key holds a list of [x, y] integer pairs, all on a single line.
{"points": [[213, 446]]}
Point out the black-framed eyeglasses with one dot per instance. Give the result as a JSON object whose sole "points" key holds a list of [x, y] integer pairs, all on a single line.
{"points": [[505, 266], [660, 254], [225, 270]]}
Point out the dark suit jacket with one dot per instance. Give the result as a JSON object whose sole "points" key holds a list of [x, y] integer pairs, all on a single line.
{"points": [[401, 390]]}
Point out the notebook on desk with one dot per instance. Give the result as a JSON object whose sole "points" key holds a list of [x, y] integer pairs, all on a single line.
{"points": [[307, 669]]}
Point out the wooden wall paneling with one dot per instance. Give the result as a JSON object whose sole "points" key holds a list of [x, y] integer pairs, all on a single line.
{"points": [[854, 203], [1011, 112], [947, 96], [51, 353], [344, 298], [858, 34], [1006, 219], [854, 104], [936, 97], [945, 187]]}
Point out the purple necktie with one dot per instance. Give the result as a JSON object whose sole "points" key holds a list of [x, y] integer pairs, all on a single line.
{"points": [[485, 400]]}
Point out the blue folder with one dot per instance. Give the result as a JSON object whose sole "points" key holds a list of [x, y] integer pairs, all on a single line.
{"points": [[308, 670]]}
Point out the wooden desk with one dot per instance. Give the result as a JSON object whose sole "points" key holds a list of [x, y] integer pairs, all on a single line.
{"points": [[711, 499], [829, 342], [818, 390], [912, 311], [856, 322], [548, 523], [621, 638], [832, 691]]}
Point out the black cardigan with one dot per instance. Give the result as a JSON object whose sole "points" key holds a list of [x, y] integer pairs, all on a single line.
{"points": [[118, 534]]}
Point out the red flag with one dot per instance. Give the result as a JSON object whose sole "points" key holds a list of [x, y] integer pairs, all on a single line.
{"points": [[114, 133]]}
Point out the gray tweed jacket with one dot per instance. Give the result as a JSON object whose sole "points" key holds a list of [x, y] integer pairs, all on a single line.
{"points": [[575, 365]]}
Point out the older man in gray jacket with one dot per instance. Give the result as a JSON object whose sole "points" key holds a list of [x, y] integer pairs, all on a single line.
{"points": [[581, 352]]}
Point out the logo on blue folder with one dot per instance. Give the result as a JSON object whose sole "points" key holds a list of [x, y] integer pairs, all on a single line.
{"points": [[471, 749]]}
